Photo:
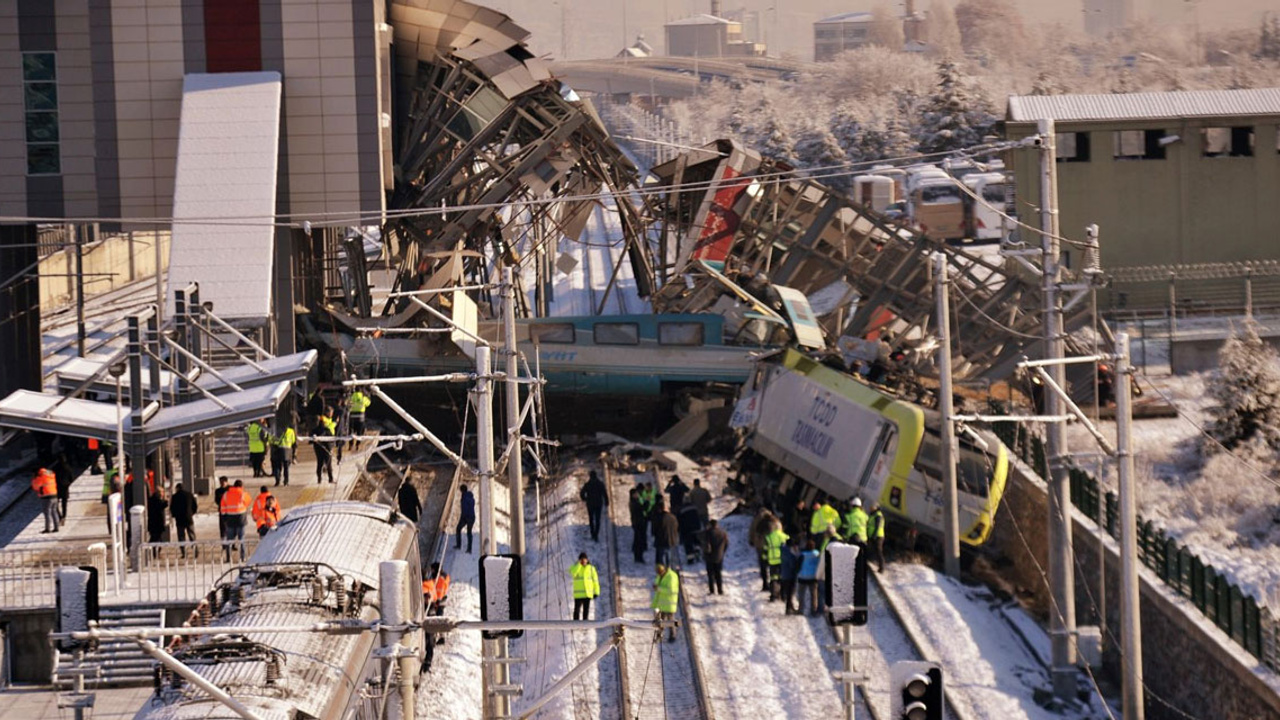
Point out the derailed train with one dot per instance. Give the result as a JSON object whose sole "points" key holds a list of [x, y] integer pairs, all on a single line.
{"points": [[320, 564], [847, 438]]}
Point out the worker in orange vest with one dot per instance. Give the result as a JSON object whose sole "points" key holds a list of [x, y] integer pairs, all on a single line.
{"points": [[266, 511], [435, 591], [235, 502], [45, 484]]}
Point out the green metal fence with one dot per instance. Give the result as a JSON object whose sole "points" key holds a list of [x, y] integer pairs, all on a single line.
{"points": [[1249, 623]]}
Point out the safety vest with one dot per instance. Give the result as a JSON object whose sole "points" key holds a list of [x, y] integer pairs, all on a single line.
{"points": [[45, 483], [269, 517], [773, 543], [666, 593], [257, 441], [649, 498], [855, 525], [435, 590], [822, 517], [877, 524], [286, 439], [233, 502], [329, 424], [259, 507], [359, 402], [108, 481], [586, 581]]}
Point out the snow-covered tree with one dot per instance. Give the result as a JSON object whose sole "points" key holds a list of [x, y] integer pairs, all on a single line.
{"points": [[886, 28], [1246, 391], [941, 31], [775, 141], [817, 147], [1269, 42], [953, 117]]}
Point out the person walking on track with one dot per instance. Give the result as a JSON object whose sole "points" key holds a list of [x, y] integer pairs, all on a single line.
{"points": [[466, 518], [666, 534], [666, 598], [586, 586], [716, 545], [875, 535], [596, 496], [639, 525]]}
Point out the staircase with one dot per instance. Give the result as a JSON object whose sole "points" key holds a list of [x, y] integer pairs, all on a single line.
{"points": [[230, 445], [121, 662]]}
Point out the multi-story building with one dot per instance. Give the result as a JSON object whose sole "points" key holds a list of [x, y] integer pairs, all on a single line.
{"points": [[709, 36], [839, 33]]}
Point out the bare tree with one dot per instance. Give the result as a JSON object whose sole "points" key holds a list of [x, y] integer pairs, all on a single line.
{"points": [[886, 28], [991, 29], [941, 31]]}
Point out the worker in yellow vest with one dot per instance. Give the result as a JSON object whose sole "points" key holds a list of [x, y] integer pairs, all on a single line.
{"points": [[257, 432], [45, 485], [586, 586], [231, 510], [326, 426], [666, 598], [855, 523], [356, 405], [283, 448]]}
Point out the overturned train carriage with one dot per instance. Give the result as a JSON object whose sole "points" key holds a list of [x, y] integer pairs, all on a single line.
{"points": [[320, 564]]}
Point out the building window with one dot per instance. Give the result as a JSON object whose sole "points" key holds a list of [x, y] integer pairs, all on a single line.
{"points": [[1227, 141], [40, 100], [1139, 145], [617, 334], [1073, 147]]}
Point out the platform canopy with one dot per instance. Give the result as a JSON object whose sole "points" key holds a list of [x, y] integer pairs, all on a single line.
{"points": [[76, 417], [77, 371]]}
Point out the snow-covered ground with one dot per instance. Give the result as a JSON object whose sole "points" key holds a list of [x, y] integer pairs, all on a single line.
{"points": [[1229, 516]]}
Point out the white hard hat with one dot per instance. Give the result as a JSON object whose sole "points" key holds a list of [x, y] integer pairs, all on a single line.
{"points": [[857, 502]]}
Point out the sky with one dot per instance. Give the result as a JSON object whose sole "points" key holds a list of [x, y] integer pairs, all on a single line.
{"points": [[601, 28]]}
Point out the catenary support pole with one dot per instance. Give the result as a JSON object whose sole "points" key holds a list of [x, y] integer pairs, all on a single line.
{"points": [[515, 456], [77, 239], [394, 604], [1062, 614], [495, 705], [1130, 613], [846, 655], [950, 450]]}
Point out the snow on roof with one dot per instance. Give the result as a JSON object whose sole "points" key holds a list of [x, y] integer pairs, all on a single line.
{"points": [[849, 17], [1142, 106], [228, 141], [701, 19]]}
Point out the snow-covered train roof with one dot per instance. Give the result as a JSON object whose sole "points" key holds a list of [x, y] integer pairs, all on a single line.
{"points": [[352, 537]]}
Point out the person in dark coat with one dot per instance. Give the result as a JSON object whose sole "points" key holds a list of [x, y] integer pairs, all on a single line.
{"points": [[157, 520], [62, 473], [690, 532], [596, 496], [666, 535], [677, 491], [407, 499], [715, 545], [701, 499], [183, 507], [639, 526], [790, 569], [217, 504], [466, 518]]}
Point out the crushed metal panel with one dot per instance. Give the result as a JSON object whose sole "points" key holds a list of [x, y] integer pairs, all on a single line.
{"points": [[808, 331], [228, 141]]}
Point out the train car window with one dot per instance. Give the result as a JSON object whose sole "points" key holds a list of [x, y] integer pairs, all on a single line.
{"points": [[552, 333], [973, 470], [682, 333], [617, 334]]}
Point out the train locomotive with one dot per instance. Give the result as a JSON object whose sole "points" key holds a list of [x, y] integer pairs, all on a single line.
{"points": [[320, 564]]}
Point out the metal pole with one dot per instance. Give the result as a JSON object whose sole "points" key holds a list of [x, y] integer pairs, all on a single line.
{"points": [[1248, 294], [587, 663], [393, 602], [78, 239], [515, 469], [1173, 307], [950, 450], [1062, 615], [494, 705], [1130, 612], [846, 652], [137, 450], [155, 242]]}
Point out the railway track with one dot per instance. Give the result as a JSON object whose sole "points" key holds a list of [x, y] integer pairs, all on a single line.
{"points": [[660, 679]]}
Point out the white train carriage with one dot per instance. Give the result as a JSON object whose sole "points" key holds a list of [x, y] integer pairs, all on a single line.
{"points": [[320, 564]]}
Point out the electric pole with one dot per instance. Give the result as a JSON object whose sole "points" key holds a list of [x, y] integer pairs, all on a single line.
{"points": [[515, 469], [1130, 612], [1062, 616], [78, 242], [950, 451]]}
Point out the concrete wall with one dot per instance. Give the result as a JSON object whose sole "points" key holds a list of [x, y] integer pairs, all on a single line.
{"points": [[1186, 208], [29, 656], [112, 255], [1199, 670]]}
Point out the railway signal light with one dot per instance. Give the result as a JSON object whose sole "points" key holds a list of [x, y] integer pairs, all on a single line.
{"points": [[915, 691], [501, 593], [845, 585]]}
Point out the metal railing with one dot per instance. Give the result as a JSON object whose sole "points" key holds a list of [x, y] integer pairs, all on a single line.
{"points": [[185, 571], [27, 576]]}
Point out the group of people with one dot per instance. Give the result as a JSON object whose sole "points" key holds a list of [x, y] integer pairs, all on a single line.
{"points": [[790, 553], [683, 526], [283, 446], [233, 504]]}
